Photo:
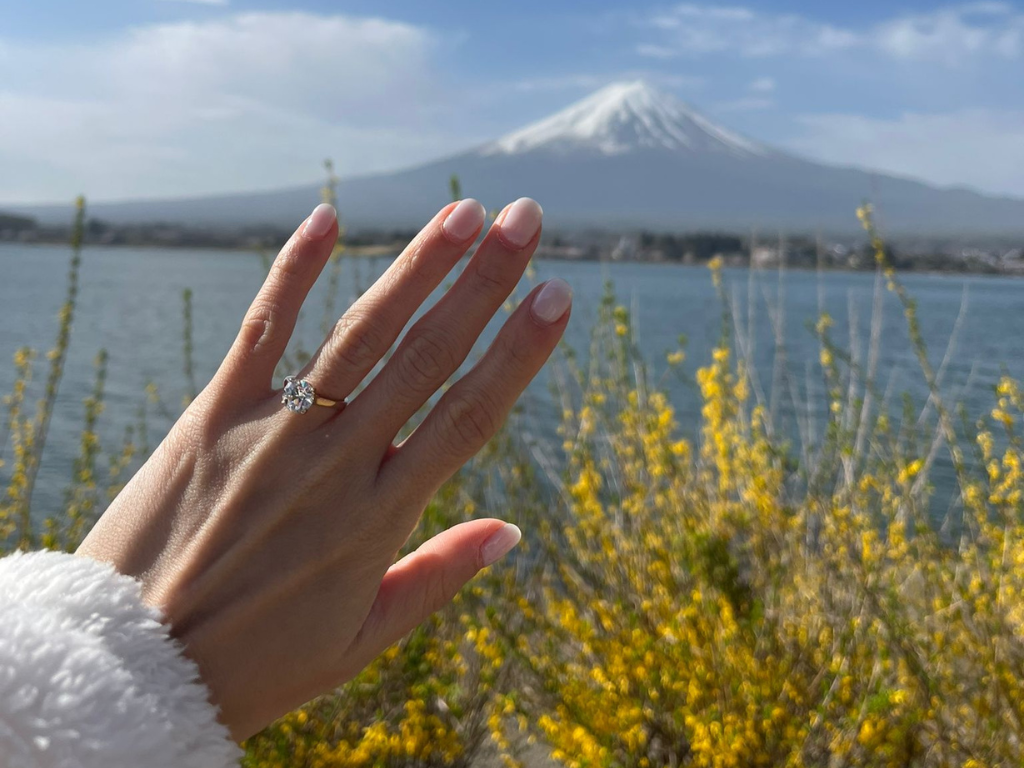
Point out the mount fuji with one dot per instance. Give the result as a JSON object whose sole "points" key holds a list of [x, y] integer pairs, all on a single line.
{"points": [[623, 118], [626, 156]]}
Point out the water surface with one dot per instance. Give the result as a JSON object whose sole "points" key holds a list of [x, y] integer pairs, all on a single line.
{"points": [[130, 303]]}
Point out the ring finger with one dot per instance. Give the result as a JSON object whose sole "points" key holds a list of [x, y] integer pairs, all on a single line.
{"points": [[370, 326]]}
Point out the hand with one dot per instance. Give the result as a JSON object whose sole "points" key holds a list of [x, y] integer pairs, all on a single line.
{"points": [[267, 537]]}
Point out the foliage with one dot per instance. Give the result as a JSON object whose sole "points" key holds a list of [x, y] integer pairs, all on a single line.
{"points": [[706, 606], [726, 598]]}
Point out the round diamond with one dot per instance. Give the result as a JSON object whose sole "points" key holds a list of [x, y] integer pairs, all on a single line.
{"points": [[298, 395]]}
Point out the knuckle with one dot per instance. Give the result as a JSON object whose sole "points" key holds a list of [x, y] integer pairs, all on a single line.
{"points": [[191, 427], [288, 264], [470, 419], [358, 342], [259, 323], [491, 279], [426, 361], [197, 432], [417, 262], [439, 589], [517, 355]]}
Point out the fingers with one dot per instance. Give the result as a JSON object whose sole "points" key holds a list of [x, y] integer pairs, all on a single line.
{"points": [[436, 345], [427, 579], [268, 325], [370, 326], [473, 410]]}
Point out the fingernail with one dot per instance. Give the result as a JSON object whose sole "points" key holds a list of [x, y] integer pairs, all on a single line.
{"points": [[320, 221], [551, 302], [463, 222], [500, 543], [521, 223]]}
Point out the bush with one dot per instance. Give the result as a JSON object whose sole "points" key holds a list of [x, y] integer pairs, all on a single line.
{"points": [[722, 599]]}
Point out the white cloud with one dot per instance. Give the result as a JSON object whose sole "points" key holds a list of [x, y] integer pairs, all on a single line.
{"points": [[696, 30], [686, 12], [973, 147], [247, 101], [939, 63], [952, 34], [948, 35]]}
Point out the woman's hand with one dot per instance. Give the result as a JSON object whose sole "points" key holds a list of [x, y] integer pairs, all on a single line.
{"points": [[267, 537]]}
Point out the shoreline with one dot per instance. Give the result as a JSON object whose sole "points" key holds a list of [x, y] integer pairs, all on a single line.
{"points": [[393, 249]]}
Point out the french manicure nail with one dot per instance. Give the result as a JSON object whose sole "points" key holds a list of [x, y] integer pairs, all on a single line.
{"points": [[463, 222], [521, 223], [500, 543], [320, 221], [551, 302]]}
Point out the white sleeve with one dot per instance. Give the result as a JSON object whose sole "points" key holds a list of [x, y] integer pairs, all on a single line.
{"points": [[90, 678]]}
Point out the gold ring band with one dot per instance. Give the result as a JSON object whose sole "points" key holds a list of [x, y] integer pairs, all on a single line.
{"points": [[328, 403]]}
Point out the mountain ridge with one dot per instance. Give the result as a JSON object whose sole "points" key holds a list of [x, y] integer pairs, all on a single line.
{"points": [[626, 156]]}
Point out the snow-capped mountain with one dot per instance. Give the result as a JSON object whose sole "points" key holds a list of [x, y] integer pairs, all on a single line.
{"points": [[621, 118], [628, 156]]}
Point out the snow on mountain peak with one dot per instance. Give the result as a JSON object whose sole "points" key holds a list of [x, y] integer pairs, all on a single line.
{"points": [[621, 118]]}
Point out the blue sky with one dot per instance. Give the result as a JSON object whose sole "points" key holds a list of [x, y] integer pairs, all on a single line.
{"points": [[130, 98]]}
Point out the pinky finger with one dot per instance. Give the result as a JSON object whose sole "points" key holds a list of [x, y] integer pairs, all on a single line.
{"points": [[426, 580]]}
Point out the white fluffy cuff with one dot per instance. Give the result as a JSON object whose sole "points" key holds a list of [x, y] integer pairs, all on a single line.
{"points": [[90, 678]]}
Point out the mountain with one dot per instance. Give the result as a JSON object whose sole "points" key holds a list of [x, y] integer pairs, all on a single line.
{"points": [[622, 118], [626, 156]]}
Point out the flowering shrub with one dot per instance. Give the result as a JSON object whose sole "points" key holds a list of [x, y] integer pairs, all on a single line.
{"points": [[717, 604], [723, 598]]}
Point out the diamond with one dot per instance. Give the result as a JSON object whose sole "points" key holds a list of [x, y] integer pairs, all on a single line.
{"points": [[298, 395]]}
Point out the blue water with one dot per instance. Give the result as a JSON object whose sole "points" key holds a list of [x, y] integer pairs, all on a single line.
{"points": [[130, 303]]}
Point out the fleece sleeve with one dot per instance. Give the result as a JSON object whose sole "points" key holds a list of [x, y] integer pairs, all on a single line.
{"points": [[90, 678]]}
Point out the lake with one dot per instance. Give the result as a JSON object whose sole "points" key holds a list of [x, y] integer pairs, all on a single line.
{"points": [[130, 303]]}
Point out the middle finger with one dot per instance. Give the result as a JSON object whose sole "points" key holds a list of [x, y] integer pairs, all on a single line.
{"points": [[437, 344], [370, 326]]}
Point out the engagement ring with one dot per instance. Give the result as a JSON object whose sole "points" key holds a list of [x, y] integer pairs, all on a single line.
{"points": [[299, 396]]}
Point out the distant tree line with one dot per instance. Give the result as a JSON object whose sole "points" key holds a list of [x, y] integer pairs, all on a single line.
{"points": [[12, 223], [686, 248], [697, 247]]}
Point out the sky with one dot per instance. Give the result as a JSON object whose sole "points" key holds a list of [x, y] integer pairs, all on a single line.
{"points": [[124, 99]]}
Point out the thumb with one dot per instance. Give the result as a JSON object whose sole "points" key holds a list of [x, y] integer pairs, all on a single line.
{"points": [[425, 581]]}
